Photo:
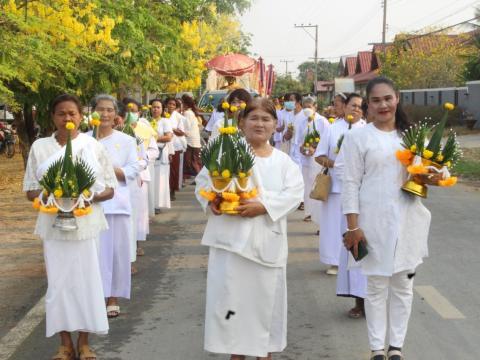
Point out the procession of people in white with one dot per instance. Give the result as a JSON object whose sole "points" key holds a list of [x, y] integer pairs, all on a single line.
{"points": [[246, 305]]}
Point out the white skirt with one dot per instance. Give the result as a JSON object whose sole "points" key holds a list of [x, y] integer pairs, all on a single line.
{"points": [[331, 230], [115, 256], [143, 226], [162, 186], [312, 207], [350, 282], [151, 190], [246, 308], [74, 300]]}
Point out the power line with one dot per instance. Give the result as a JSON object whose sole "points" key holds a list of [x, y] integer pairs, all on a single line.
{"points": [[316, 50], [286, 65]]}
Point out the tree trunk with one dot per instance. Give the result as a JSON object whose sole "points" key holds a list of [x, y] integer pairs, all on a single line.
{"points": [[24, 122]]}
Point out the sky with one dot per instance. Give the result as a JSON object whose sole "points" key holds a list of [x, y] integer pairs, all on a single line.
{"points": [[345, 26]]}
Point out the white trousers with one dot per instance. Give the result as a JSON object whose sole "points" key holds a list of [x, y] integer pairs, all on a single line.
{"points": [[400, 287]]}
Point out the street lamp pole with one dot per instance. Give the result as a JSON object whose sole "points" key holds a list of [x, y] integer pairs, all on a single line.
{"points": [[316, 51]]}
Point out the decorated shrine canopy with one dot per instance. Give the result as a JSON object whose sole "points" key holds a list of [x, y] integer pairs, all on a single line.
{"points": [[232, 64]]}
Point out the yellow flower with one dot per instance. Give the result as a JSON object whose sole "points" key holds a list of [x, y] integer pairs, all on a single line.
{"points": [[225, 105], [243, 105], [427, 154], [95, 122], [349, 118], [413, 148], [70, 125], [241, 175], [448, 106], [233, 108], [79, 212], [131, 106], [209, 195], [144, 107], [331, 120], [448, 164], [226, 174], [95, 116], [58, 193], [317, 139], [215, 173], [167, 115], [439, 158], [231, 197]]}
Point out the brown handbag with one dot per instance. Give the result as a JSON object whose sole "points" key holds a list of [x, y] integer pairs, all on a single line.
{"points": [[321, 186]]}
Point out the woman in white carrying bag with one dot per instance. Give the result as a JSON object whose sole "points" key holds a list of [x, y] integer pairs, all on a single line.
{"points": [[246, 307], [392, 223], [330, 240]]}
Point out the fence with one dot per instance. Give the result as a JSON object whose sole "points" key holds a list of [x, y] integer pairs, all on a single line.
{"points": [[466, 97]]}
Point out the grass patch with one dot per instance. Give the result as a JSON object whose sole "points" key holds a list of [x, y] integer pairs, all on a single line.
{"points": [[469, 166]]}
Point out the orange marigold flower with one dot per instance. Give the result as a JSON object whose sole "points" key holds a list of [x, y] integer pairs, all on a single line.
{"points": [[417, 169], [404, 156], [452, 180], [36, 203]]}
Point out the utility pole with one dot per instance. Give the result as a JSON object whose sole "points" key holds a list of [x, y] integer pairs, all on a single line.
{"points": [[286, 65], [316, 51], [384, 28]]}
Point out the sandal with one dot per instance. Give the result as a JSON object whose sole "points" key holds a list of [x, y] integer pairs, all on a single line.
{"points": [[64, 353], [301, 206], [307, 218], [140, 252], [84, 353], [356, 313], [378, 355], [113, 311], [395, 355]]}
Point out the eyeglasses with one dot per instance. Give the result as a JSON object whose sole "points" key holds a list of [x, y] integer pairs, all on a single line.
{"points": [[107, 110]]}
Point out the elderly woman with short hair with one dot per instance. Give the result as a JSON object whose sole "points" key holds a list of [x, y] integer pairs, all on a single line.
{"points": [[115, 242]]}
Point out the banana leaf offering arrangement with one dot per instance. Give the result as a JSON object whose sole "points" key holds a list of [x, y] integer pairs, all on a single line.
{"points": [[229, 160], [66, 188], [427, 160]]}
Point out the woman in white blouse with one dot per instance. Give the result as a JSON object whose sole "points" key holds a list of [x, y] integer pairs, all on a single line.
{"points": [[246, 307], [162, 163], [331, 212], [74, 300], [393, 224], [192, 163], [115, 243]]}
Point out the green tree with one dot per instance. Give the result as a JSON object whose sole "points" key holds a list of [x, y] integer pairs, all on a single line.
{"points": [[285, 84], [326, 71], [472, 65], [85, 47]]}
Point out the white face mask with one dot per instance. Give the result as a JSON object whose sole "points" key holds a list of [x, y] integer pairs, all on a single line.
{"points": [[308, 112]]}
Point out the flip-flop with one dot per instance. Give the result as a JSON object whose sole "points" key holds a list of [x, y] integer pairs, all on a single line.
{"points": [[356, 313], [113, 309], [64, 353], [84, 353]]}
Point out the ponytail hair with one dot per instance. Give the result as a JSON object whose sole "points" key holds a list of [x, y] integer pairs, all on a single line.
{"points": [[401, 119]]}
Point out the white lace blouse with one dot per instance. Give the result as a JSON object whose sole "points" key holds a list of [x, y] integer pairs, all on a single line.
{"points": [[89, 225]]}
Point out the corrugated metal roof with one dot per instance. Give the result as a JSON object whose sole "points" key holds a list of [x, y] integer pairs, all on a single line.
{"points": [[364, 62], [351, 63]]}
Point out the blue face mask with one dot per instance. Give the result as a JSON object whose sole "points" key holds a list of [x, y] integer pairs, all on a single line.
{"points": [[289, 105]]}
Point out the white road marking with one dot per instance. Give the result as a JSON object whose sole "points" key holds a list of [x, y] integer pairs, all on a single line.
{"points": [[16, 335], [438, 302]]}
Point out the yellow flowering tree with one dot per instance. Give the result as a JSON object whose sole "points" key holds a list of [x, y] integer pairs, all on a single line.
{"points": [[425, 62]]}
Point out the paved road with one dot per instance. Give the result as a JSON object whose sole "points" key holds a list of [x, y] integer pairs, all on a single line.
{"points": [[164, 319], [469, 141]]}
